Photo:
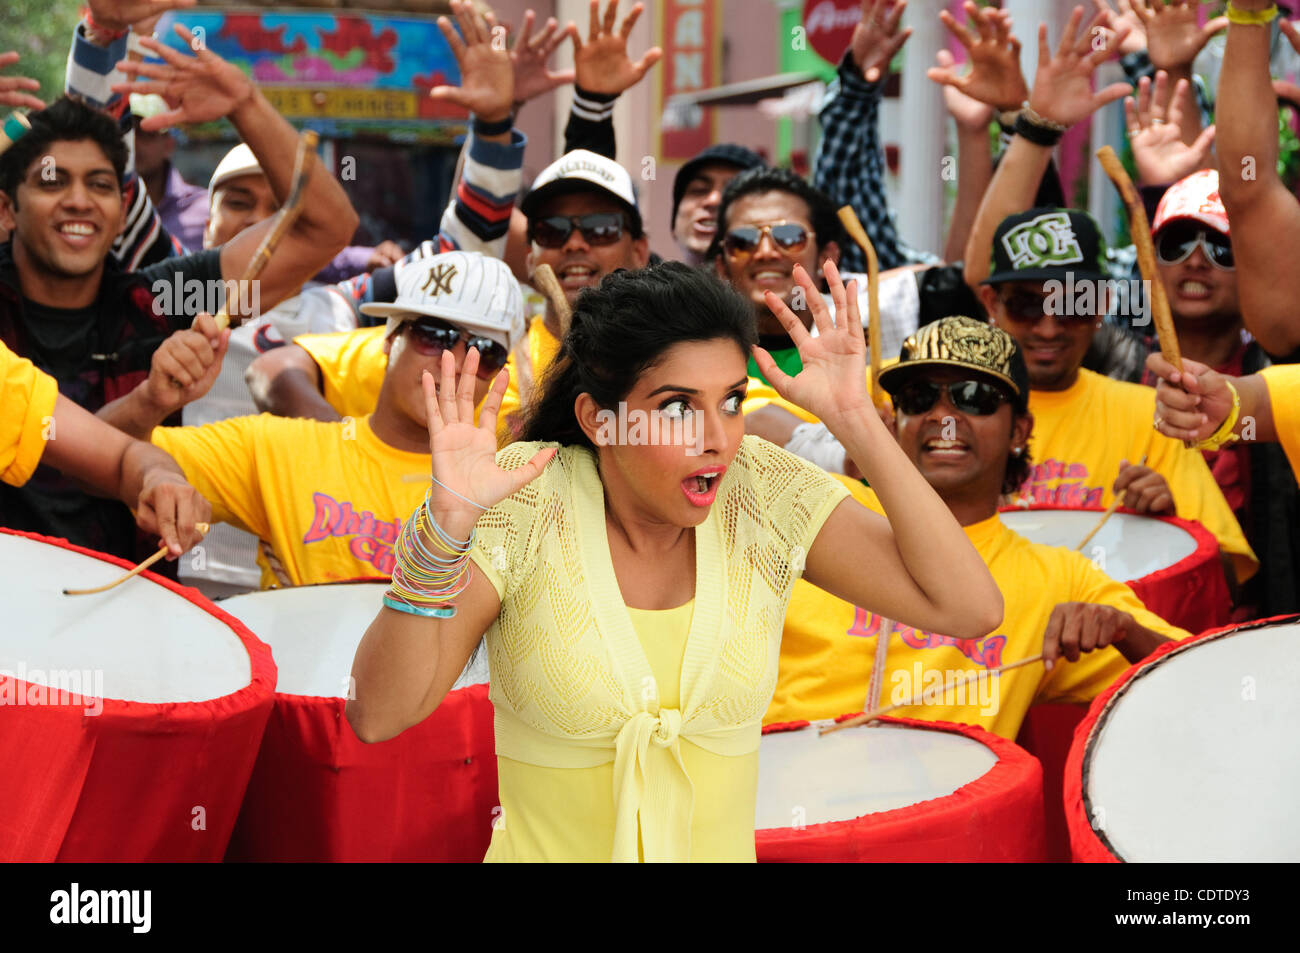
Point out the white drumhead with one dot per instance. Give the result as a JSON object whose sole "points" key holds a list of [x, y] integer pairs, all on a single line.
{"points": [[1128, 547], [808, 778], [138, 642], [314, 632], [1196, 760]]}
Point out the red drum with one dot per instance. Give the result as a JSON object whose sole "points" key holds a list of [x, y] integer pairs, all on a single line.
{"points": [[1185, 758], [897, 790], [1171, 563], [129, 719], [320, 794]]}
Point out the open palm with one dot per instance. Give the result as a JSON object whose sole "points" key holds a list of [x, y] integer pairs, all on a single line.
{"points": [[602, 64], [487, 73], [994, 55], [832, 383], [464, 453], [1063, 84], [533, 76], [197, 88], [1155, 133]]}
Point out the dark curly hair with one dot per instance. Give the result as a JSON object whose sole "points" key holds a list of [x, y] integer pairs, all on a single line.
{"points": [[64, 120], [821, 210], [622, 327]]}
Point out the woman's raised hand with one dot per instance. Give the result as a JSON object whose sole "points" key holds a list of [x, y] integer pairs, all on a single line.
{"points": [[832, 384], [464, 454]]}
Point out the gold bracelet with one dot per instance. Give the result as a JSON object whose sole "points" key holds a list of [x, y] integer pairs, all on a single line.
{"points": [[1224, 434], [1251, 17]]}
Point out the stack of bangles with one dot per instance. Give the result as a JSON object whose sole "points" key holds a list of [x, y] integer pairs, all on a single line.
{"points": [[425, 583]]}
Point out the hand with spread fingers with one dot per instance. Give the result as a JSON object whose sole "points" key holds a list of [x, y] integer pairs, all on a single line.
{"points": [[1063, 91], [1154, 123], [1191, 404], [1143, 489], [12, 87], [533, 76], [832, 383], [994, 56], [487, 72], [1173, 35], [197, 88], [601, 64], [877, 37], [464, 453]]}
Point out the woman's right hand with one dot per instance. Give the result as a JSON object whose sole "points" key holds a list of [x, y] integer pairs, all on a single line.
{"points": [[464, 454]]}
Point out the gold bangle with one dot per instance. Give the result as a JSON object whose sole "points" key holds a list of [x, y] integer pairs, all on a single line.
{"points": [[1224, 434], [1251, 17]]}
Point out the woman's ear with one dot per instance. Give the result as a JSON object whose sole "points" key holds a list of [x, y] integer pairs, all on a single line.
{"points": [[594, 421], [1022, 428]]}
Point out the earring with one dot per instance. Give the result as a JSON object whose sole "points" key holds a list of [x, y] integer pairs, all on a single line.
{"points": [[1018, 451]]}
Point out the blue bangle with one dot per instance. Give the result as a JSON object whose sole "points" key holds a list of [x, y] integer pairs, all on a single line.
{"points": [[442, 612]]}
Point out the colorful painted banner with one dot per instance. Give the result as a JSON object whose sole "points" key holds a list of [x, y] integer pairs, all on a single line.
{"points": [[691, 36]]}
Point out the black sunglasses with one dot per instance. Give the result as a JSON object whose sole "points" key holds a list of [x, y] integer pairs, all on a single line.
{"points": [[1176, 244], [1026, 308], [434, 337], [978, 398], [597, 228]]}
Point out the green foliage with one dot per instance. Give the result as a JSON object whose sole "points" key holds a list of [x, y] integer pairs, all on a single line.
{"points": [[40, 31]]}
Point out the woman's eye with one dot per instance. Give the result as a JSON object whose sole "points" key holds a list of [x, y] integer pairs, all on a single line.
{"points": [[675, 409], [732, 404]]}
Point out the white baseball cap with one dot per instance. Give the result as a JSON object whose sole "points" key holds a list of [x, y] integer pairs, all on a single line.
{"points": [[579, 171], [467, 288], [238, 161]]}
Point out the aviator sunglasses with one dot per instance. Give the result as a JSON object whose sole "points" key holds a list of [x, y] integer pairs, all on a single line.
{"points": [[790, 238], [978, 398], [1175, 245], [433, 337], [597, 228]]}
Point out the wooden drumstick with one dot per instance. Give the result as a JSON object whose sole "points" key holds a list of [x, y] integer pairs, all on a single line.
{"points": [[284, 220], [545, 279], [162, 551], [849, 218], [919, 698], [1140, 230], [1110, 511]]}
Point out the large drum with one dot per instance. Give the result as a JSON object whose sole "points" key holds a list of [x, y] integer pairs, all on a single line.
{"points": [[320, 794], [897, 790], [1190, 756], [129, 719], [1171, 563]]}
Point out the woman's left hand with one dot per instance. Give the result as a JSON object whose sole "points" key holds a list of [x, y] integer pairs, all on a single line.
{"points": [[832, 384]]}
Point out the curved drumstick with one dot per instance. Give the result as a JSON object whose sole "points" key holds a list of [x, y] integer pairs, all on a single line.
{"points": [[284, 220], [13, 129], [917, 699], [1140, 230], [849, 218], [1110, 511], [545, 279], [201, 527]]}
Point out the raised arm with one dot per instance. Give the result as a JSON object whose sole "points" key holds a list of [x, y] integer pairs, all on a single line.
{"points": [[406, 663], [1062, 96], [205, 87], [920, 567], [1264, 214]]}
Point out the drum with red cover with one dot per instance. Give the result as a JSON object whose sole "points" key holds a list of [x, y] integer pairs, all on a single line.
{"points": [[1190, 756], [899, 790], [318, 793], [129, 719]]}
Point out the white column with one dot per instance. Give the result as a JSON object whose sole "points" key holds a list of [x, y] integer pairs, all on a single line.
{"points": [[921, 138]]}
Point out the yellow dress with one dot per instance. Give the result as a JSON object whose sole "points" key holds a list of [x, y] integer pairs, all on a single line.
{"points": [[574, 689]]}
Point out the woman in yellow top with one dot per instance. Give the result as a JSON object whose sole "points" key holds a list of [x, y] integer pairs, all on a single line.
{"points": [[633, 585]]}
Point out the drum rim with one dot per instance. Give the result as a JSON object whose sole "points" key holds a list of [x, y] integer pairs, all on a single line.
{"points": [[1078, 764], [1207, 546], [1012, 760], [262, 672]]}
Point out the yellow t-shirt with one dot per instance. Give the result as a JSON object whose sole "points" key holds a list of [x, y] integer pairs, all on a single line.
{"points": [[27, 398], [539, 349], [569, 674], [327, 498], [1080, 436], [1283, 382], [829, 645], [541, 825]]}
